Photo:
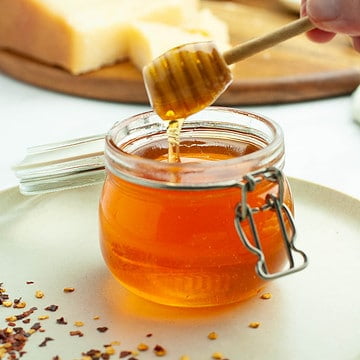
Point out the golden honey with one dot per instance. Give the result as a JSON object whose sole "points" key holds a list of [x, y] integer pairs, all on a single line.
{"points": [[167, 229], [186, 79]]}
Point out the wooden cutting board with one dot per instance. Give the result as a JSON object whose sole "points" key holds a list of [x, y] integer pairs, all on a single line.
{"points": [[292, 71]]}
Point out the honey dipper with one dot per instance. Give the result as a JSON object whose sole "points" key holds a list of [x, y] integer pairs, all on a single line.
{"points": [[190, 77]]}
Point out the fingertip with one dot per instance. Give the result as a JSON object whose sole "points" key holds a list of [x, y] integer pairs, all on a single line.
{"points": [[356, 43], [320, 36]]}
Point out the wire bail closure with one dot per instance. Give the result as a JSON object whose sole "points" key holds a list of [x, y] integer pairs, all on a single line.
{"points": [[273, 202]]}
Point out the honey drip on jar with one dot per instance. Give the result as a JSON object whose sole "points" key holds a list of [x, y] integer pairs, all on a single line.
{"points": [[173, 133], [183, 81]]}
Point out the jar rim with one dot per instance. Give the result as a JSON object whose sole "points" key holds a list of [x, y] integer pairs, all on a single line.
{"points": [[274, 147]]}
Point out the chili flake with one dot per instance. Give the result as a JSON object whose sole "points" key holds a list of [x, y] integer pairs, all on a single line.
{"points": [[45, 341], [12, 342], [76, 333], [39, 294], [102, 329], [23, 315], [61, 321], [51, 308], [142, 347], [266, 296], [217, 356], [124, 354], [254, 324], [11, 318], [92, 354], [109, 350], [19, 305], [69, 290], [159, 350], [36, 326], [212, 336]]}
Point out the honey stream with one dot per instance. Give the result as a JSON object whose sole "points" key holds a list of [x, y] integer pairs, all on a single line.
{"points": [[173, 133]]}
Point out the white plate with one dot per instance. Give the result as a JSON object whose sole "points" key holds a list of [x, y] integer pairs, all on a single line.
{"points": [[293, 5], [53, 240]]}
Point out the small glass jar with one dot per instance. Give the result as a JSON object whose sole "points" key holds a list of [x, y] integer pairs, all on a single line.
{"points": [[173, 233]]}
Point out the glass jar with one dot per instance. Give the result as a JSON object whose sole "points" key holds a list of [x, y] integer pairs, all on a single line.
{"points": [[180, 233]]}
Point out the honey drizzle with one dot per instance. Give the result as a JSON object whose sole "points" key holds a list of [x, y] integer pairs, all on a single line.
{"points": [[173, 133]]}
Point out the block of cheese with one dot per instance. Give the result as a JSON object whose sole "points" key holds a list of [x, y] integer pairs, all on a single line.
{"points": [[206, 23], [150, 39], [81, 35]]}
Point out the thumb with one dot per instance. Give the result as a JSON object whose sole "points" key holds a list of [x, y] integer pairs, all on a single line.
{"points": [[341, 16]]}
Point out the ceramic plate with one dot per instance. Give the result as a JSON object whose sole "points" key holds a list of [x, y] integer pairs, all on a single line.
{"points": [[50, 242]]}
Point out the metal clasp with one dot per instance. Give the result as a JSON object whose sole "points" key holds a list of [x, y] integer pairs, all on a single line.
{"points": [[273, 202]]}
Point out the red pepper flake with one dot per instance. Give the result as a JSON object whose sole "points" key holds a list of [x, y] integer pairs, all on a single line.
{"points": [[266, 296], [16, 340], [149, 335], [102, 329], [19, 305], [39, 294], [26, 321], [61, 321], [124, 354], [3, 296], [92, 353], [57, 357], [159, 350], [69, 290], [25, 314], [36, 326], [76, 333], [51, 308], [254, 325], [45, 341], [12, 324], [29, 282], [132, 358]]}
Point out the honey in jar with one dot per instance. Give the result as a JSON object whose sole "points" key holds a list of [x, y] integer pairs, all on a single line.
{"points": [[168, 230]]}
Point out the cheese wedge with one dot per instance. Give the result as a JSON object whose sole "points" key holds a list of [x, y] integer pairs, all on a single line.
{"points": [[149, 39], [206, 23], [82, 35]]}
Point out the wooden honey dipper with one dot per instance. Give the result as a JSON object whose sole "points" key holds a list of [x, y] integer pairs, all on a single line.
{"points": [[190, 77]]}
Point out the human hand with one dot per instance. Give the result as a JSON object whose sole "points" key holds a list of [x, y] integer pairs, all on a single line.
{"points": [[331, 17]]}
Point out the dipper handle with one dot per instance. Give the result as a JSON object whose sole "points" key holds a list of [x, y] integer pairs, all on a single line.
{"points": [[258, 44]]}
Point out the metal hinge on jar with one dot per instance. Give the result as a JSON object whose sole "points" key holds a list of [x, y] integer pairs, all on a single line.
{"points": [[244, 212]]}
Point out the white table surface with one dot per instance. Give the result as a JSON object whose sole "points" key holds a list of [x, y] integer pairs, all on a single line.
{"points": [[322, 139]]}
